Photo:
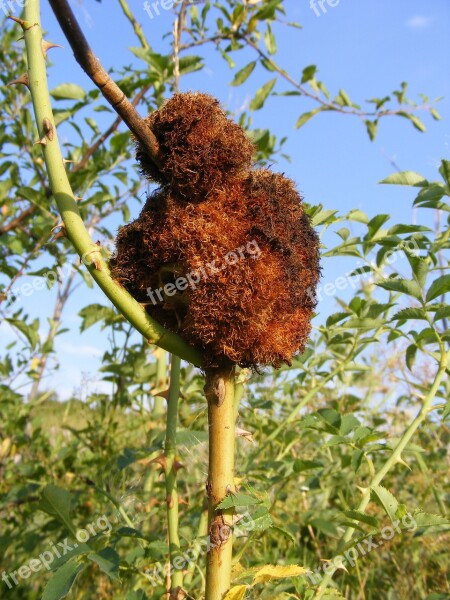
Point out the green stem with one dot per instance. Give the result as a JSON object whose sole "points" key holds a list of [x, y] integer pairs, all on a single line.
{"points": [[161, 382], [394, 457], [171, 466], [75, 230], [220, 393]]}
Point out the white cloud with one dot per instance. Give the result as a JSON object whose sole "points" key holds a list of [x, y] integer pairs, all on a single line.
{"points": [[419, 22]]}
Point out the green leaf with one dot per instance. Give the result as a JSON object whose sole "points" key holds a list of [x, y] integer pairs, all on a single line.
{"points": [[410, 356], [435, 114], [242, 75], [406, 178], [190, 64], [418, 124], [442, 313], [268, 10], [444, 170], [419, 268], [108, 560], [358, 216], [68, 91], [323, 216], [424, 519], [269, 572], [330, 416], [362, 324], [386, 500], [262, 94], [357, 457], [306, 465], [237, 592], [55, 501], [372, 129], [228, 58], [410, 313], [439, 287], [93, 313], [270, 41], [348, 424], [260, 520], [308, 73], [305, 117], [239, 499], [362, 517], [60, 584], [405, 286], [336, 318], [374, 225], [30, 332], [343, 98]]}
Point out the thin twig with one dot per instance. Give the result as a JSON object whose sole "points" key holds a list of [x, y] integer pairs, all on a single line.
{"points": [[96, 145], [92, 66], [136, 26], [18, 220], [177, 32]]}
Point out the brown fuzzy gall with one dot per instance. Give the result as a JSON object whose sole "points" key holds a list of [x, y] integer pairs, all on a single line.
{"points": [[254, 312], [201, 150], [222, 254]]}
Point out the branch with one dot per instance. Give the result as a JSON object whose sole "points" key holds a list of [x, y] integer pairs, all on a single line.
{"points": [[18, 220], [75, 229], [94, 69], [96, 145]]}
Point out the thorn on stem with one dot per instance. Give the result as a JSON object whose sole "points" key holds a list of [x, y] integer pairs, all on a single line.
{"points": [[61, 233], [46, 46], [23, 79], [48, 128], [41, 142], [24, 24]]}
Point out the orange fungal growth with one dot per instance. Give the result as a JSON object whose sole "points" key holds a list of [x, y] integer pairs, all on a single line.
{"points": [[223, 254], [201, 149]]}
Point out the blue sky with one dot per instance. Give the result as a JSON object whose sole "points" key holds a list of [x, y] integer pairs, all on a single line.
{"points": [[367, 47]]}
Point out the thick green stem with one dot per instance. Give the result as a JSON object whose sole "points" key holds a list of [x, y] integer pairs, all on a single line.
{"points": [[75, 230], [394, 458], [220, 393], [171, 467]]}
